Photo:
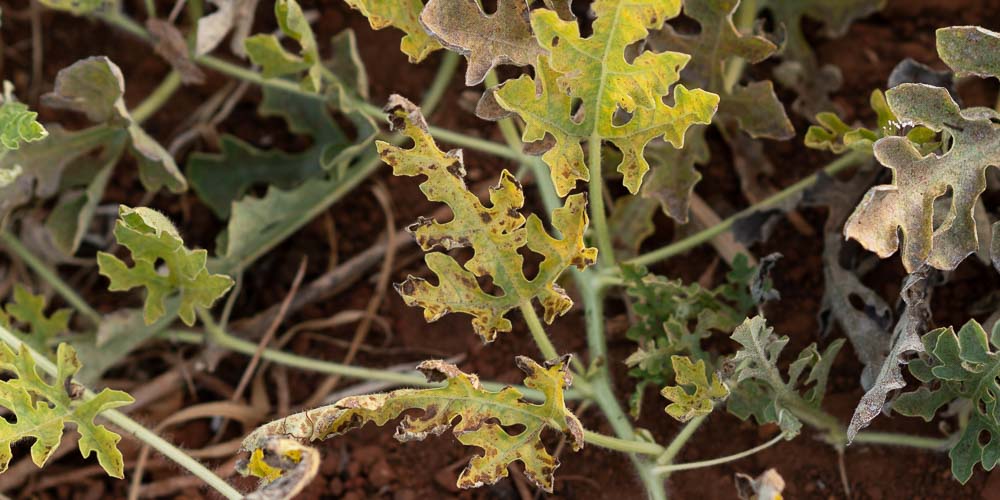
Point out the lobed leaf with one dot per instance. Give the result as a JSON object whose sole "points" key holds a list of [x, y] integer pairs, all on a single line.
{"points": [[284, 465], [152, 238], [595, 72], [18, 124], [760, 388], [907, 205], [42, 410], [478, 418], [486, 40], [685, 405], [403, 15], [970, 50], [495, 234], [266, 51], [962, 366], [28, 310]]}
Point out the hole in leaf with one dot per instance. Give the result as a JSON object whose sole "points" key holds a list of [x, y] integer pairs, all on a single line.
{"points": [[532, 261], [576, 110], [942, 207], [621, 117], [984, 437], [489, 6], [856, 301]]}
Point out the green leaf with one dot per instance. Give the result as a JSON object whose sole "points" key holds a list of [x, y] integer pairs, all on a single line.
{"points": [[42, 410], [918, 180], [151, 238], [267, 52], [495, 234], [478, 417], [760, 388], [685, 405], [961, 366], [224, 178], [17, 123], [595, 73], [403, 15], [28, 310], [486, 40], [970, 50]]}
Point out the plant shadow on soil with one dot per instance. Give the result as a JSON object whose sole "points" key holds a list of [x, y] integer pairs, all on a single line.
{"points": [[369, 463]]}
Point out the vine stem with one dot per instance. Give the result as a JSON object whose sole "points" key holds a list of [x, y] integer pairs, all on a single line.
{"points": [[538, 331], [61, 287], [667, 469], [623, 445], [681, 439], [132, 427], [598, 214], [158, 98], [842, 163], [449, 63], [893, 439]]}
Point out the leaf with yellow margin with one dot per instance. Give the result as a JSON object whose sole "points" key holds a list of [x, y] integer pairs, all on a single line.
{"points": [[42, 410], [495, 234], [594, 73], [403, 15], [685, 405], [482, 420], [284, 466]]}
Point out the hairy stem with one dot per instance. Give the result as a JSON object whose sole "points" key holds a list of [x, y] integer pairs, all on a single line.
{"points": [[538, 332], [51, 277], [667, 469], [156, 99], [132, 427], [681, 439], [893, 439], [623, 445], [842, 163], [598, 214]]}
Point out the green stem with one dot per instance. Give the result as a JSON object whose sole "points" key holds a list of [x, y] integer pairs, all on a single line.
{"points": [[438, 87], [61, 287], [132, 427], [538, 332], [893, 439], [155, 100], [667, 469], [150, 8], [842, 163], [745, 17], [680, 440], [598, 214], [623, 445]]}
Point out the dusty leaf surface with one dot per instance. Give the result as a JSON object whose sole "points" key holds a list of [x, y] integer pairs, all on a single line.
{"points": [[403, 15]]}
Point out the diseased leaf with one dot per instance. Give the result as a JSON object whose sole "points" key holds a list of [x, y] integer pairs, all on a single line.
{"points": [[964, 367], [482, 419], [42, 410], [970, 50], [170, 44], [911, 71], [674, 176], [905, 341], [266, 51], [152, 238], [403, 15], [630, 223], [232, 16], [28, 311], [486, 40], [908, 203], [595, 72], [767, 486], [868, 326], [684, 405], [760, 388], [284, 465], [800, 69], [494, 233]]}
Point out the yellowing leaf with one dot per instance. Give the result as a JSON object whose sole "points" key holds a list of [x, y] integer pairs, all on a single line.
{"points": [[494, 233], [595, 72], [485, 40], [685, 405], [152, 238], [42, 410], [908, 203], [285, 467], [403, 15], [482, 419]]}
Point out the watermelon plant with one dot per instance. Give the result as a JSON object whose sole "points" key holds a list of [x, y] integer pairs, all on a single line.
{"points": [[607, 111]]}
